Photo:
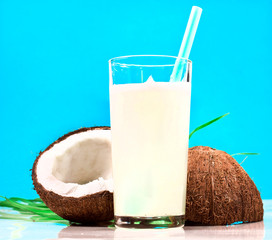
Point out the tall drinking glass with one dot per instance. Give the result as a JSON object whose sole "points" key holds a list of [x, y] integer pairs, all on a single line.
{"points": [[150, 129]]}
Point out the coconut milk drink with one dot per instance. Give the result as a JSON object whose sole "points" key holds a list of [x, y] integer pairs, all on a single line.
{"points": [[150, 129]]}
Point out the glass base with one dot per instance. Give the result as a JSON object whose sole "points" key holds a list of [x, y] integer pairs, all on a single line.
{"points": [[149, 222]]}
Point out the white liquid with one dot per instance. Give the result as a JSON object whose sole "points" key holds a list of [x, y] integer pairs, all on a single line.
{"points": [[150, 129]]}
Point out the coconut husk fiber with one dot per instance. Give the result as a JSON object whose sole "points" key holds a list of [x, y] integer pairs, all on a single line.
{"points": [[219, 191]]}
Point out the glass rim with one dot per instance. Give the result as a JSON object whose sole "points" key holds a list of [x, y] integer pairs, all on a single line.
{"points": [[147, 65]]}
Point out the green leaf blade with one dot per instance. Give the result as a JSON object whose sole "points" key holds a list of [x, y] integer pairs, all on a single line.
{"points": [[28, 210], [206, 124], [245, 153]]}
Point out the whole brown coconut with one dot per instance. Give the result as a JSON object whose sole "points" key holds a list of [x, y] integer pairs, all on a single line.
{"points": [[85, 208], [219, 191]]}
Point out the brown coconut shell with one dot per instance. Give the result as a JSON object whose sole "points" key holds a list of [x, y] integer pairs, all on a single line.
{"points": [[219, 191], [86, 209]]}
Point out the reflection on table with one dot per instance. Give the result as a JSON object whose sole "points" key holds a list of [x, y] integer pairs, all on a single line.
{"points": [[245, 231]]}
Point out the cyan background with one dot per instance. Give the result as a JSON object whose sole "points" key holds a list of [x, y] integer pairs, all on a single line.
{"points": [[54, 74]]}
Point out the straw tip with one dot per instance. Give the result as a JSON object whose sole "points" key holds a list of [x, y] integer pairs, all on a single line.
{"points": [[196, 8]]}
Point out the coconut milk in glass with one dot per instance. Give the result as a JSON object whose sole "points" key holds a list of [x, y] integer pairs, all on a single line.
{"points": [[150, 131]]}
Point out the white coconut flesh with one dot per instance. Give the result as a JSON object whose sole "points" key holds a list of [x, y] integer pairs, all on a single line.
{"points": [[78, 166]]}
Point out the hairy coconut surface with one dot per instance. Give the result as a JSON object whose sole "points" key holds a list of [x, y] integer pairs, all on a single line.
{"points": [[73, 175], [219, 191]]}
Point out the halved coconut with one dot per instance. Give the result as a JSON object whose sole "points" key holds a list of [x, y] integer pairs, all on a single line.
{"points": [[73, 176]]}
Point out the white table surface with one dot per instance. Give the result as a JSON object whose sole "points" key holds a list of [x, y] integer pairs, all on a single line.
{"points": [[12, 229]]}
